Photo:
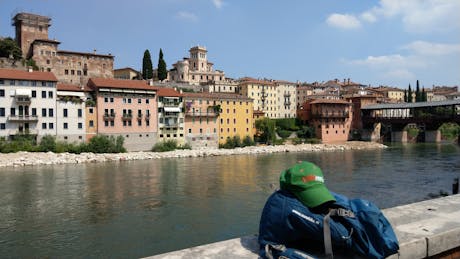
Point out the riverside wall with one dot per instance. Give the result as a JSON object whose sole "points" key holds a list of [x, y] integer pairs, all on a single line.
{"points": [[50, 158], [427, 229]]}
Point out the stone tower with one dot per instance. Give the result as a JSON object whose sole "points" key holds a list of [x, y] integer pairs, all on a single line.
{"points": [[30, 27], [198, 60]]}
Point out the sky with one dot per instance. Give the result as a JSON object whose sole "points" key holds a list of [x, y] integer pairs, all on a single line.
{"points": [[372, 42]]}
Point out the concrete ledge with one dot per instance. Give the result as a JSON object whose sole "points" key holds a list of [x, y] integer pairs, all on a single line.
{"points": [[423, 229]]}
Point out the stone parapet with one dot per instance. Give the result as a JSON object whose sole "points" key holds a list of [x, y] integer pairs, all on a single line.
{"points": [[424, 229]]}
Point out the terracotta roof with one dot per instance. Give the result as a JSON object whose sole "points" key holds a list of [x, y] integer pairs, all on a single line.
{"points": [[218, 96], [326, 101], [26, 75], [73, 88], [168, 92], [84, 54], [120, 84]]}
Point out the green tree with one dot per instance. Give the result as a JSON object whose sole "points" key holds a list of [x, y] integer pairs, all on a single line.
{"points": [[9, 47], [424, 95], [31, 63], [162, 72], [147, 67], [418, 95], [405, 95], [409, 95], [266, 128]]}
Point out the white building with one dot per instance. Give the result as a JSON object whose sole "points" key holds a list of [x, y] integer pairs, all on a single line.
{"points": [[286, 96], [171, 115], [70, 112], [27, 103], [196, 69]]}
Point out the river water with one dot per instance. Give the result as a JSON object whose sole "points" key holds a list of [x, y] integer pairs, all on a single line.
{"points": [[140, 208]]}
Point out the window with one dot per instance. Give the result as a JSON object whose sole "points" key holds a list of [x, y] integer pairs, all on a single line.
{"points": [[80, 113], [50, 112], [2, 112], [147, 123], [72, 72], [147, 100], [43, 112], [106, 123], [78, 72], [2, 126], [34, 111], [91, 110], [112, 123], [91, 123], [65, 113], [139, 100], [2, 92], [106, 99], [129, 100], [111, 99], [66, 126], [34, 93], [43, 94], [66, 72], [80, 125], [43, 125], [50, 125]]}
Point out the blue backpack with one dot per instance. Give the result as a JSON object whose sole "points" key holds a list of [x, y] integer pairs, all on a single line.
{"points": [[289, 229]]}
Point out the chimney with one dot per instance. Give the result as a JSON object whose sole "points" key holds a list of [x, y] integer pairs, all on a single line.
{"points": [[30, 69], [94, 51], [348, 81]]}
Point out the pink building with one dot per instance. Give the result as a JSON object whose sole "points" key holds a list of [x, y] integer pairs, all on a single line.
{"points": [[126, 108]]}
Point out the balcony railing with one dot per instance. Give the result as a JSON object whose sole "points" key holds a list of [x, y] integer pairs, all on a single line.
{"points": [[201, 114], [287, 95], [23, 118], [22, 99], [127, 117], [109, 116], [147, 116], [171, 104], [139, 116], [23, 132], [169, 125], [317, 115]]}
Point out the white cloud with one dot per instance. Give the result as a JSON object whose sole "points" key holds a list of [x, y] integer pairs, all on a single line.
{"points": [[388, 60], [218, 3], [432, 49], [418, 16], [187, 16], [400, 74], [343, 21]]}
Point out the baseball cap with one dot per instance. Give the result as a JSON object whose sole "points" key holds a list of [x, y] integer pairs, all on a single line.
{"points": [[306, 181]]}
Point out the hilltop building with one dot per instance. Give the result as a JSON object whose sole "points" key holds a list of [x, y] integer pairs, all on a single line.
{"points": [[68, 66], [195, 69]]}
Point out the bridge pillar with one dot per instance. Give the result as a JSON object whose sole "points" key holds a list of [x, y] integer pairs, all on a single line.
{"points": [[399, 136], [433, 136]]}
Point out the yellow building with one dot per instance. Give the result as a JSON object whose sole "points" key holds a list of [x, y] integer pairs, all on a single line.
{"points": [[263, 93], [236, 116]]}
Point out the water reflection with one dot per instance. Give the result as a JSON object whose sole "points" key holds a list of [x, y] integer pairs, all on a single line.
{"points": [[140, 208]]}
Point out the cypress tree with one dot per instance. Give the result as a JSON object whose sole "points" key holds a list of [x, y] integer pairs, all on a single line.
{"points": [[405, 95], [418, 96], [162, 72], [147, 67], [424, 95], [409, 95]]}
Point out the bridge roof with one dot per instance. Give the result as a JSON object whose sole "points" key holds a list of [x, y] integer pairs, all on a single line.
{"points": [[383, 106]]}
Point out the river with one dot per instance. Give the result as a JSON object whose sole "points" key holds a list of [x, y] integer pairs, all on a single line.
{"points": [[140, 208]]}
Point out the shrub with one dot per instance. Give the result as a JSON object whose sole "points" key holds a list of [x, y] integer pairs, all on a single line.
{"points": [[449, 131], [284, 133], [286, 124], [164, 146], [312, 141], [47, 143], [247, 141], [106, 144], [297, 141]]}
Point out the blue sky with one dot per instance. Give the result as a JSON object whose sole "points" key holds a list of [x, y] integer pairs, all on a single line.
{"points": [[376, 42]]}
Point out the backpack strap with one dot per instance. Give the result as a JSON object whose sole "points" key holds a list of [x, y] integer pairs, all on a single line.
{"points": [[327, 228]]}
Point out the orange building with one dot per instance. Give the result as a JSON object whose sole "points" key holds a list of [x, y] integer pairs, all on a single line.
{"points": [[330, 118], [201, 120]]}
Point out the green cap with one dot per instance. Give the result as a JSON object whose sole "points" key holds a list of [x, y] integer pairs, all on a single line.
{"points": [[306, 181]]}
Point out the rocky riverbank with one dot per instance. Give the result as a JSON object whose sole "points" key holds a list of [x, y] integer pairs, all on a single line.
{"points": [[49, 158]]}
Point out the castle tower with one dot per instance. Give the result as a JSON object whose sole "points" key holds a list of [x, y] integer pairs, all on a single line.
{"points": [[198, 60], [30, 27]]}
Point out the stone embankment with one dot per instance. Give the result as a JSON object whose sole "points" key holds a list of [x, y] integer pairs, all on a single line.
{"points": [[49, 158]]}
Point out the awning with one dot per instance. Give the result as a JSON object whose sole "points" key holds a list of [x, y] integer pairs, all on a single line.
{"points": [[172, 109], [23, 92], [67, 93]]}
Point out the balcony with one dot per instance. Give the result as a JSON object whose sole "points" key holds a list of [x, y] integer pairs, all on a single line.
{"points": [[287, 95], [330, 115], [23, 118], [139, 116], [171, 104], [23, 132], [201, 114], [22, 99], [109, 116], [147, 116], [127, 117]]}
